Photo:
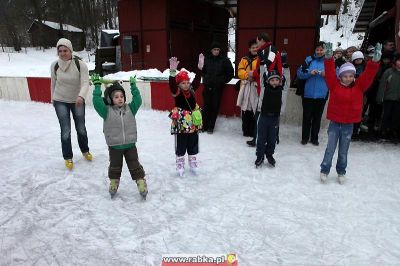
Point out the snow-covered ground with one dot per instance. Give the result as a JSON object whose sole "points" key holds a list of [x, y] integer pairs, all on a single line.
{"points": [[281, 216]]}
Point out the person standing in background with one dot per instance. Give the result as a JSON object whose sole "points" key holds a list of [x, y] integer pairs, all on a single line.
{"points": [[69, 87], [217, 71]]}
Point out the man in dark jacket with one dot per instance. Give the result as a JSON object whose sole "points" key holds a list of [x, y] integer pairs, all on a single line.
{"points": [[217, 71]]}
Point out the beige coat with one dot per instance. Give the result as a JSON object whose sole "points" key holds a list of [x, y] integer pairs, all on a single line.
{"points": [[69, 83]]}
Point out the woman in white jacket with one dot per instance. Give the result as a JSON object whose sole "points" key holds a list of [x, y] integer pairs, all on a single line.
{"points": [[69, 86]]}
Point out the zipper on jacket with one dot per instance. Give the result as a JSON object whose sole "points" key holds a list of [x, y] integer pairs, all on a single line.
{"points": [[123, 125]]}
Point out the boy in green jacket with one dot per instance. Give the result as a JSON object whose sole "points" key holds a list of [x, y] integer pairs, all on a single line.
{"points": [[389, 95], [119, 129]]}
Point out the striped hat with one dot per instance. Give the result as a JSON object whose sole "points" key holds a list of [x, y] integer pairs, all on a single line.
{"points": [[347, 68]]}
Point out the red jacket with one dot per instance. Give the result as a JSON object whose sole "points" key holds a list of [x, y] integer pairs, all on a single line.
{"points": [[276, 64], [346, 103]]}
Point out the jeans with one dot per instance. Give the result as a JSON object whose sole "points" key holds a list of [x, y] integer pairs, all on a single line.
{"points": [[78, 113], [337, 133], [267, 129]]}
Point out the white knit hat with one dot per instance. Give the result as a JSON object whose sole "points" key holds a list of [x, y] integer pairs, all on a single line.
{"points": [[357, 55], [347, 68], [65, 42]]}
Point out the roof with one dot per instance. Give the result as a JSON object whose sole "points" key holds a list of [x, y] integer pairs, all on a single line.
{"points": [[366, 15], [328, 7], [231, 5], [56, 26]]}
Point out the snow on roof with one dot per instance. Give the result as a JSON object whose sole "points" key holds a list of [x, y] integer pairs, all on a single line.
{"points": [[111, 31], [66, 27]]}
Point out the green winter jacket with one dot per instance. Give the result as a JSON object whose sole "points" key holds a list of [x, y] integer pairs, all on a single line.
{"points": [[389, 87], [102, 109]]}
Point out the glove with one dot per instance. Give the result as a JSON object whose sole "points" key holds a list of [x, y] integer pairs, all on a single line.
{"points": [[96, 80], [200, 65], [132, 80], [173, 63], [377, 53], [328, 50]]}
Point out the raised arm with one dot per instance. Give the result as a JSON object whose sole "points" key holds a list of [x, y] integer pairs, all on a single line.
{"points": [[367, 77], [136, 98], [330, 68], [98, 102], [173, 65]]}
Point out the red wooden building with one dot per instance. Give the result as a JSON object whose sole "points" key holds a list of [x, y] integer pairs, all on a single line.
{"points": [[186, 28], [166, 28], [159, 29]]}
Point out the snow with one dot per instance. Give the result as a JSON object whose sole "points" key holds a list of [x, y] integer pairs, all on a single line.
{"points": [[347, 21], [281, 216], [32, 62], [66, 27], [111, 31]]}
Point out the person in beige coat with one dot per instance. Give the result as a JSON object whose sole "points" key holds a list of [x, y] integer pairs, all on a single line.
{"points": [[69, 87]]}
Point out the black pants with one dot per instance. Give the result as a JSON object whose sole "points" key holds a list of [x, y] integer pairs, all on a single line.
{"points": [[391, 116], [186, 142], [131, 159], [374, 115], [212, 101], [312, 114], [248, 123], [267, 129]]}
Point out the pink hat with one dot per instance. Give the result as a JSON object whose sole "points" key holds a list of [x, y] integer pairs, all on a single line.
{"points": [[347, 68]]}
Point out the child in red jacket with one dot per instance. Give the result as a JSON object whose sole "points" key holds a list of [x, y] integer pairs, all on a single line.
{"points": [[344, 107], [184, 124]]}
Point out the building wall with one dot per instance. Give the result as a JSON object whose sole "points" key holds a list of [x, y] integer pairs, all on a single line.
{"points": [[292, 25], [168, 28]]}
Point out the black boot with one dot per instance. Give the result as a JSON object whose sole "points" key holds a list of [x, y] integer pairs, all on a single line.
{"points": [[271, 160], [259, 161], [251, 143]]}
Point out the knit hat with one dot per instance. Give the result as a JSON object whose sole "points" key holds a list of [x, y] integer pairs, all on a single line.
{"points": [[65, 42], [111, 90], [357, 55], [182, 76], [338, 50], [347, 68], [216, 45], [273, 74]]}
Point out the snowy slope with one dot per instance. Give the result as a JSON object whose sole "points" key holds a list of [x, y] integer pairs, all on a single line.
{"points": [[344, 35], [282, 216]]}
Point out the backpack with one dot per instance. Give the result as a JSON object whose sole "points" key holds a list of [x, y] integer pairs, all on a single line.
{"points": [[249, 63], [76, 60], [300, 84]]}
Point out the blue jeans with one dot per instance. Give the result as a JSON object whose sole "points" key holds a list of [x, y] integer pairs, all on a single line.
{"points": [[267, 129], [63, 111], [337, 133]]}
